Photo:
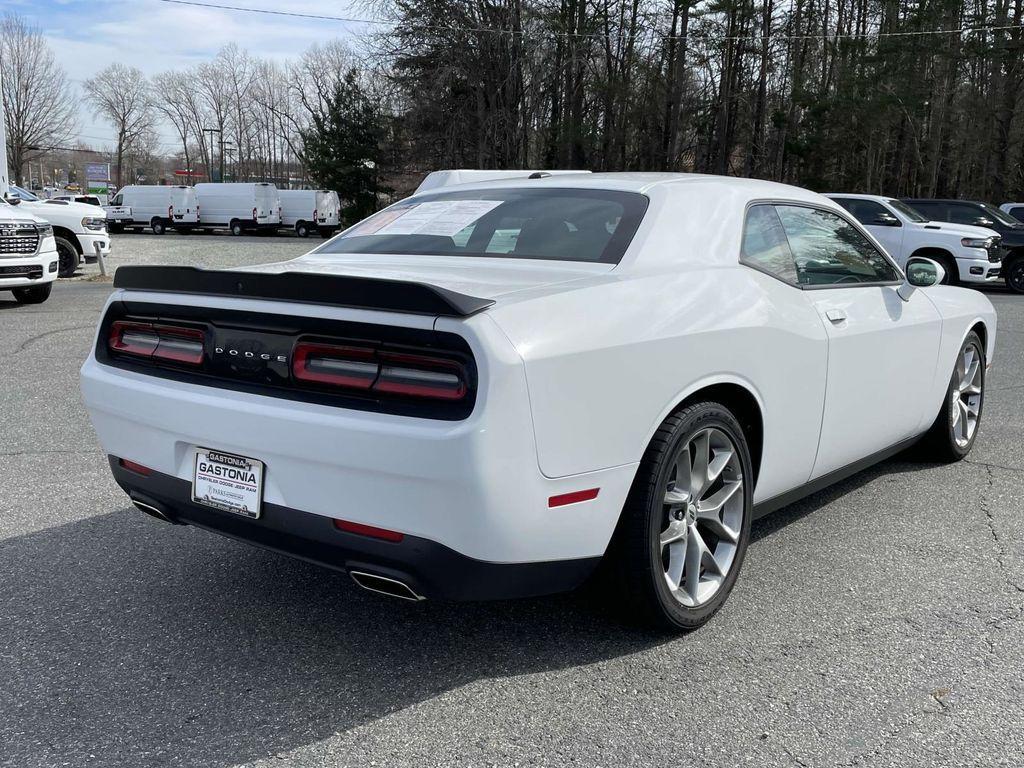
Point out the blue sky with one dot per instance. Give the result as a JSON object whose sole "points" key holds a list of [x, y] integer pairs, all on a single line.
{"points": [[86, 35]]}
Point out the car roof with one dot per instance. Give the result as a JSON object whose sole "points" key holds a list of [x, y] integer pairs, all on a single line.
{"points": [[941, 200], [859, 196], [642, 183]]}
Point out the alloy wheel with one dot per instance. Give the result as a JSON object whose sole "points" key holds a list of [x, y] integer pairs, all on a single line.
{"points": [[703, 516], [965, 395]]}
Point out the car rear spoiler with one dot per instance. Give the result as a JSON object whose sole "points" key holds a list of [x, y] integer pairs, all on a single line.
{"points": [[304, 288]]}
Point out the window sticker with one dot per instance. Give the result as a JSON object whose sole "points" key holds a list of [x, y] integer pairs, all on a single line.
{"points": [[445, 218]]}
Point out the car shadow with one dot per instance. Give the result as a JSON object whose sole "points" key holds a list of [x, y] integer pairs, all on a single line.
{"points": [[901, 464], [125, 637], [143, 643]]}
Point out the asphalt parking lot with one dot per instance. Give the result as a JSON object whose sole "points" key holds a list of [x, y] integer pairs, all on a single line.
{"points": [[880, 622]]}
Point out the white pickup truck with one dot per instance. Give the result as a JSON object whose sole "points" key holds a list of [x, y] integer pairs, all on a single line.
{"points": [[968, 254], [77, 227], [28, 255]]}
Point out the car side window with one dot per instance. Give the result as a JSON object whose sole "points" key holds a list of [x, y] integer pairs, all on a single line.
{"points": [[930, 210], [765, 246], [828, 250], [865, 211], [1017, 212], [960, 213], [116, 200]]}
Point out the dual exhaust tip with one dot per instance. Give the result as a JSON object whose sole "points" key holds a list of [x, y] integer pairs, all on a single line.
{"points": [[371, 582]]}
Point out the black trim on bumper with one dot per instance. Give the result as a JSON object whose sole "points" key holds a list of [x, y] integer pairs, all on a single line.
{"points": [[430, 569]]}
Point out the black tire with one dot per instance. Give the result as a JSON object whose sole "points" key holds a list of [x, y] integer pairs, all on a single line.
{"points": [[67, 257], [302, 229], [1014, 274], [158, 226], [939, 442], [634, 564], [236, 228], [114, 228], [949, 266], [34, 294], [327, 232]]}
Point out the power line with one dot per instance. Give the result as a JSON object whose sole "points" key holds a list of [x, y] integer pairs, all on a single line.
{"points": [[867, 35]]}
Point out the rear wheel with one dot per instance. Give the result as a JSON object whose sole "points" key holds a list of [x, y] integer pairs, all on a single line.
{"points": [[952, 435], [302, 229], [686, 524], [1015, 275], [236, 228], [67, 257], [158, 226], [35, 294]]}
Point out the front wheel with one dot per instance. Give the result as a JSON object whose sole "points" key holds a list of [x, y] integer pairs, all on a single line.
{"points": [[35, 294], [685, 527], [1015, 276], [67, 257], [955, 429]]}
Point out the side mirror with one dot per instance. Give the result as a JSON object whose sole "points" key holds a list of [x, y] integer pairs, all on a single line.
{"points": [[921, 273], [887, 220], [12, 200], [982, 221]]}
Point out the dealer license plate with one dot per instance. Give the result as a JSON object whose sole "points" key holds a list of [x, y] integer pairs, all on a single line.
{"points": [[228, 482]]}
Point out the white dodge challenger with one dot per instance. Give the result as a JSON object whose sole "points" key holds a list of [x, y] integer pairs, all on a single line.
{"points": [[487, 390]]}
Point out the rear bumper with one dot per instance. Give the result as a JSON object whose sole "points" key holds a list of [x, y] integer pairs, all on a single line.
{"points": [[430, 569], [472, 485]]}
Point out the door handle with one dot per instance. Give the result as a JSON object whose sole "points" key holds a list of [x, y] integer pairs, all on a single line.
{"points": [[836, 315]]}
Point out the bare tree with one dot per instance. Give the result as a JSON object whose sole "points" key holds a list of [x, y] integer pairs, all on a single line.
{"points": [[39, 107], [122, 95], [170, 99]]}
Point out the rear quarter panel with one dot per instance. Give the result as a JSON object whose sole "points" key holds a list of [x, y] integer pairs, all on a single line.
{"points": [[608, 362]]}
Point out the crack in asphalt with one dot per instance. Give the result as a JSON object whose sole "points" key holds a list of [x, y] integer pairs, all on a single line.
{"points": [[39, 337], [990, 466], [990, 522]]}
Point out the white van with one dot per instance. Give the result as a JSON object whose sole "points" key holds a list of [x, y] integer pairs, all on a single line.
{"points": [[306, 210], [157, 207], [240, 207]]}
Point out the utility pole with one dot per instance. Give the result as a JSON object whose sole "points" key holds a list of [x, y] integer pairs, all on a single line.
{"points": [[209, 170]]}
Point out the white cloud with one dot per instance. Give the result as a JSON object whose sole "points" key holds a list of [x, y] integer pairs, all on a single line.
{"points": [[154, 36]]}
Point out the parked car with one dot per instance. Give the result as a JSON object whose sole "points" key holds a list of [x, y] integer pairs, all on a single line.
{"points": [[438, 179], [310, 210], [28, 255], [84, 199], [1014, 209], [967, 254], [239, 207], [77, 228], [980, 214], [157, 207], [641, 377]]}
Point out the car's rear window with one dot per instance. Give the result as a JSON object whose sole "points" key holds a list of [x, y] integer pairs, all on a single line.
{"points": [[553, 224]]}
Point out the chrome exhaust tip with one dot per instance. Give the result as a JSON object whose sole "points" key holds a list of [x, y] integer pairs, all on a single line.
{"points": [[385, 586], [153, 511]]}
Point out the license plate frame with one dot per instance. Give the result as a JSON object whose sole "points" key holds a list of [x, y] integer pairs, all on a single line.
{"points": [[228, 482]]}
